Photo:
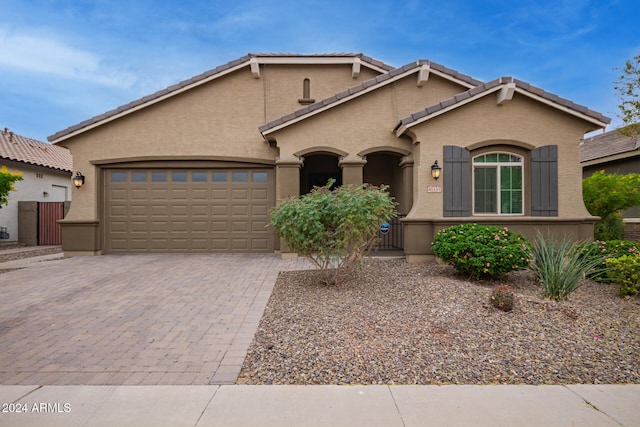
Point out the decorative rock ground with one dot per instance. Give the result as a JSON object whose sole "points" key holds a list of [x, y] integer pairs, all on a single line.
{"points": [[421, 324]]}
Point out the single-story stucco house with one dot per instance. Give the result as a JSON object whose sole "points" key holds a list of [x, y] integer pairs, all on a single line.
{"points": [[614, 152], [46, 178], [197, 167]]}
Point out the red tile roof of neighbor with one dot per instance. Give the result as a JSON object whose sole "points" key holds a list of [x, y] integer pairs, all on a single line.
{"points": [[608, 144], [26, 150]]}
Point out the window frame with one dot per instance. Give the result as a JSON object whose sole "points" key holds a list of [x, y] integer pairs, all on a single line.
{"points": [[497, 165]]}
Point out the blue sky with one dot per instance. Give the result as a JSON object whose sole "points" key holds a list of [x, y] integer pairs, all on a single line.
{"points": [[64, 61]]}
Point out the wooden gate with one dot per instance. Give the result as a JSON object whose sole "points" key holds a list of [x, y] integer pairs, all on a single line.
{"points": [[49, 231]]}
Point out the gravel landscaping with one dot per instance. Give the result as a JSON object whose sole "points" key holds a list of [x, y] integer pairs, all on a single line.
{"points": [[398, 323]]}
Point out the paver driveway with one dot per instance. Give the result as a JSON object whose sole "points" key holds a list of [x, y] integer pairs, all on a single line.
{"points": [[134, 319]]}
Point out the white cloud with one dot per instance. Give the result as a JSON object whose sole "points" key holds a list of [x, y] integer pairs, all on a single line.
{"points": [[41, 54]]}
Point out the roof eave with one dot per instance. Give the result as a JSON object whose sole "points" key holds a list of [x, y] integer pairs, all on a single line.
{"points": [[405, 124]]}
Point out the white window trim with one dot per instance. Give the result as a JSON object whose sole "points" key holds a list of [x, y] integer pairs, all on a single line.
{"points": [[496, 165]]}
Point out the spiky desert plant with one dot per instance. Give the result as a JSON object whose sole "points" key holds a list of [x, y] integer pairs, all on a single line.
{"points": [[561, 266]]}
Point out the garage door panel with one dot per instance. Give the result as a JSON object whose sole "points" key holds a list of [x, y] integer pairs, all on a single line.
{"points": [[239, 194], [118, 210], [259, 244], [259, 210], [220, 244], [220, 226], [138, 194], [200, 195], [219, 194], [259, 226], [259, 194], [188, 210], [179, 193], [240, 244], [239, 210], [199, 226], [240, 226], [217, 210]]}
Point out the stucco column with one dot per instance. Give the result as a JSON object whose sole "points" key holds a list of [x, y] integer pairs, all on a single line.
{"points": [[406, 192], [287, 185], [352, 169], [287, 177]]}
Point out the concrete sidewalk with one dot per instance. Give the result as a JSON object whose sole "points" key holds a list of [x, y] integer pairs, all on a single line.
{"points": [[389, 406]]}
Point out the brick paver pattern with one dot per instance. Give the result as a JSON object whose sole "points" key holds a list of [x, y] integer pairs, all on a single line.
{"points": [[134, 319]]}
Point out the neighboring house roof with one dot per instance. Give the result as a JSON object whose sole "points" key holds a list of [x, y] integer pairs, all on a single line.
{"points": [[607, 145], [252, 60], [506, 87], [26, 150], [422, 67]]}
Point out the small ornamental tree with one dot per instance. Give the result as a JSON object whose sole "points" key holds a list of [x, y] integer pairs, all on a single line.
{"points": [[336, 228], [605, 195], [7, 180], [628, 88]]}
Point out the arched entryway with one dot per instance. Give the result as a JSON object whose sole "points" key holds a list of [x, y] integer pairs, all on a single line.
{"points": [[384, 168], [317, 169], [389, 168]]}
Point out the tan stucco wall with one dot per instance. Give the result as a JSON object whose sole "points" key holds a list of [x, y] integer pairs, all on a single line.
{"points": [[215, 120], [283, 84], [366, 121], [523, 122]]}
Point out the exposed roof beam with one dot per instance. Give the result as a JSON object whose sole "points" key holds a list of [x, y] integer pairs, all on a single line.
{"points": [[423, 74], [355, 70], [255, 68], [506, 93]]}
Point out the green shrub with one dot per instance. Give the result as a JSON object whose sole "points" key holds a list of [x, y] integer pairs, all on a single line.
{"points": [[560, 265], [336, 228], [606, 250], [502, 297], [482, 251], [609, 228], [605, 195], [624, 271]]}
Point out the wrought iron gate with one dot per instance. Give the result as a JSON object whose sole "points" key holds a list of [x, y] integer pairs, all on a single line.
{"points": [[393, 239]]}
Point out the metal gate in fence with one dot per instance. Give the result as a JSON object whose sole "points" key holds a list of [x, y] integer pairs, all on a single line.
{"points": [[49, 231], [392, 240]]}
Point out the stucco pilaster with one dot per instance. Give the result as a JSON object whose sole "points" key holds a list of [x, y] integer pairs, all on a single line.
{"points": [[352, 167], [405, 201], [288, 177]]}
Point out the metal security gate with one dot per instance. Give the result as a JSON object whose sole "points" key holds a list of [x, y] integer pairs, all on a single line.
{"points": [[393, 239], [49, 231]]}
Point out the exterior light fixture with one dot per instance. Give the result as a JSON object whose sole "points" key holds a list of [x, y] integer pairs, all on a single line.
{"points": [[435, 170], [78, 180]]}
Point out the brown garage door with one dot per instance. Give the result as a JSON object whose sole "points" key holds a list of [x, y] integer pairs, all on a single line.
{"points": [[177, 210]]}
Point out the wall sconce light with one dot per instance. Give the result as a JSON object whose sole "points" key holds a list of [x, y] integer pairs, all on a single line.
{"points": [[435, 170], [78, 180]]}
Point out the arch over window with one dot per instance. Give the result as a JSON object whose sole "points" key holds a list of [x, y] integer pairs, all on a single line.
{"points": [[498, 184]]}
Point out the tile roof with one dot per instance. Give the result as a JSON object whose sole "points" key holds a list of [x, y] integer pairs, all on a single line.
{"points": [[207, 75], [492, 86], [607, 144], [26, 150], [366, 86]]}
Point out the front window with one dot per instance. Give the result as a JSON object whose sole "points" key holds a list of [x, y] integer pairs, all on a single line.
{"points": [[497, 184]]}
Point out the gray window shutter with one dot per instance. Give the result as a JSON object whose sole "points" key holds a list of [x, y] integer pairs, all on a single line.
{"points": [[544, 181], [456, 175]]}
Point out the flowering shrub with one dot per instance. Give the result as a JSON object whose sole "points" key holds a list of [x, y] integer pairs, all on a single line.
{"points": [[625, 272], [610, 249], [482, 251]]}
